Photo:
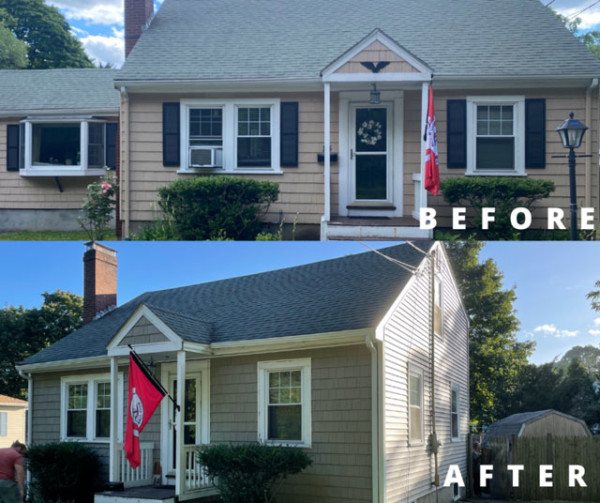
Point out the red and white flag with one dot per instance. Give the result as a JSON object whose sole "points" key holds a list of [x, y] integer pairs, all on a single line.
{"points": [[432, 168], [145, 395]]}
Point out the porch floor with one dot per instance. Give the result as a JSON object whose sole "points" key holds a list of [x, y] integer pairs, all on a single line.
{"points": [[375, 228]]}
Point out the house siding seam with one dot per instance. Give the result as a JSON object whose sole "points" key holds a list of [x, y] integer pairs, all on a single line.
{"points": [[341, 420], [409, 469]]}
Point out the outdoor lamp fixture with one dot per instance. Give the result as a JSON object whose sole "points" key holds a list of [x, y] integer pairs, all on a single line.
{"points": [[374, 96], [571, 133]]}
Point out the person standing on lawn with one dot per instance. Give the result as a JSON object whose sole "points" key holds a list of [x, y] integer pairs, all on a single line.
{"points": [[12, 473]]}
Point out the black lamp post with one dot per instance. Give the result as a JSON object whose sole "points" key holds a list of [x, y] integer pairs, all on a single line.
{"points": [[571, 134]]}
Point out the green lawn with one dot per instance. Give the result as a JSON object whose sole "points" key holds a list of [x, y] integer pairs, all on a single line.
{"points": [[51, 236]]}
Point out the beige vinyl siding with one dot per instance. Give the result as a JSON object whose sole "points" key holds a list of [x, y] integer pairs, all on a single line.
{"points": [[559, 103], [301, 188], [375, 53], [409, 467], [15, 424], [37, 193], [341, 420], [143, 332]]}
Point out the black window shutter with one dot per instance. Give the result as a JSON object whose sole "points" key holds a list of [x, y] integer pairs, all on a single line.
{"points": [[12, 147], [457, 133], [289, 134], [535, 133], [171, 134], [111, 144]]}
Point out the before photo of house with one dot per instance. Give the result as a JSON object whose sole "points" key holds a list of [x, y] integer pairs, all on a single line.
{"points": [[328, 100]]}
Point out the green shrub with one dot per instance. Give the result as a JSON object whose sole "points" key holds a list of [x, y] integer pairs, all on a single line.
{"points": [[505, 193], [98, 206], [250, 473], [217, 207], [63, 471]]}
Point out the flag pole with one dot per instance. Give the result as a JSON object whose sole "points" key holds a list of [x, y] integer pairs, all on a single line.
{"points": [[151, 377]]}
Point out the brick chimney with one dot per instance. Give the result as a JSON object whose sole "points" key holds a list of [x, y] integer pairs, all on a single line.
{"points": [[99, 280], [137, 15]]}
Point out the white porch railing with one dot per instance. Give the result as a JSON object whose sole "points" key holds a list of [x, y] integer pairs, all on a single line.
{"points": [[195, 473], [142, 475]]}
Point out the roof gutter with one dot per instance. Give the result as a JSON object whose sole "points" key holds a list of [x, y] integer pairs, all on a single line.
{"points": [[105, 112]]}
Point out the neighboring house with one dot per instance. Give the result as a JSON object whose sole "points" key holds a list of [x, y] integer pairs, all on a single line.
{"points": [[262, 89], [58, 131], [351, 347], [13, 414], [537, 424]]}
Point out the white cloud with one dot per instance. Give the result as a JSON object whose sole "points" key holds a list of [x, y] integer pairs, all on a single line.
{"points": [[594, 331], [549, 329], [103, 12], [597, 322], [105, 49]]}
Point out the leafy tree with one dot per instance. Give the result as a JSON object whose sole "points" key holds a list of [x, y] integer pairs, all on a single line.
{"points": [[13, 52], [594, 297], [24, 332], [50, 43], [577, 393], [590, 39], [496, 357]]}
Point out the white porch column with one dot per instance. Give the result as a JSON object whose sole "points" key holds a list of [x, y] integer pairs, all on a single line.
{"points": [[424, 105], [327, 150], [114, 422], [179, 440]]}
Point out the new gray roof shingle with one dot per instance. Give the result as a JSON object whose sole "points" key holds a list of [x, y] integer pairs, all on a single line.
{"points": [[291, 39], [64, 89], [352, 292]]}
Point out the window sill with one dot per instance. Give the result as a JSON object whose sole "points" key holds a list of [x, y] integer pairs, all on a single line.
{"points": [[494, 173], [86, 440], [300, 445], [220, 171], [60, 171]]}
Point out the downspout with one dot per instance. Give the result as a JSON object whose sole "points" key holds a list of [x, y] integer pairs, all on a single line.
{"points": [[433, 442], [588, 144], [125, 174], [29, 413], [376, 432]]}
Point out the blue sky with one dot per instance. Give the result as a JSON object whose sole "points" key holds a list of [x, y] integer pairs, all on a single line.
{"points": [[551, 278], [99, 23]]}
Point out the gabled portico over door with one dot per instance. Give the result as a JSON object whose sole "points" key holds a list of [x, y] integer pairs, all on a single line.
{"points": [[374, 186]]}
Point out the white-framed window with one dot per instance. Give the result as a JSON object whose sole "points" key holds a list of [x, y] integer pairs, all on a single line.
{"points": [[3, 424], [284, 402], [415, 405], [62, 147], [85, 407], [496, 135], [239, 136], [438, 321], [455, 412]]}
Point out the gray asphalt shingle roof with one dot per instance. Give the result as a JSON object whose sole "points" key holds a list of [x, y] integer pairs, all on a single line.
{"points": [[352, 292], [47, 90], [291, 39]]}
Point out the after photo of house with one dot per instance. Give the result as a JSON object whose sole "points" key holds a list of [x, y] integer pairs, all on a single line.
{"points": [[381, 370]]}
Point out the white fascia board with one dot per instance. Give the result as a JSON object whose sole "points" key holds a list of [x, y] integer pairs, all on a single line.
{"points": [[378, 77], [221, 86], [71, 364], [175, 342], [291, 343], [389, 43], [63, 112], [485, 82]]}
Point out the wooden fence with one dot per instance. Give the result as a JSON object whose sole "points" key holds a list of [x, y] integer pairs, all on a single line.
{"points": [[531, 452]]}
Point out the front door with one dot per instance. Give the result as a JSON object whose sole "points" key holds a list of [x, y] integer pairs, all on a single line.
{"points": [[370, 156], [191, 408]]}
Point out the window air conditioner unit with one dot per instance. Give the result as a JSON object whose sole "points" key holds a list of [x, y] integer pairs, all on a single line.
{"points": [[206, 157]]}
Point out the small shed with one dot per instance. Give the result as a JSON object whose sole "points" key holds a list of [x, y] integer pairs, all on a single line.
{"points": [[537, 424]]}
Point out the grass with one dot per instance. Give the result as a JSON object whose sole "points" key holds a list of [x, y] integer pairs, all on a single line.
{"points": [[51, 236]]}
